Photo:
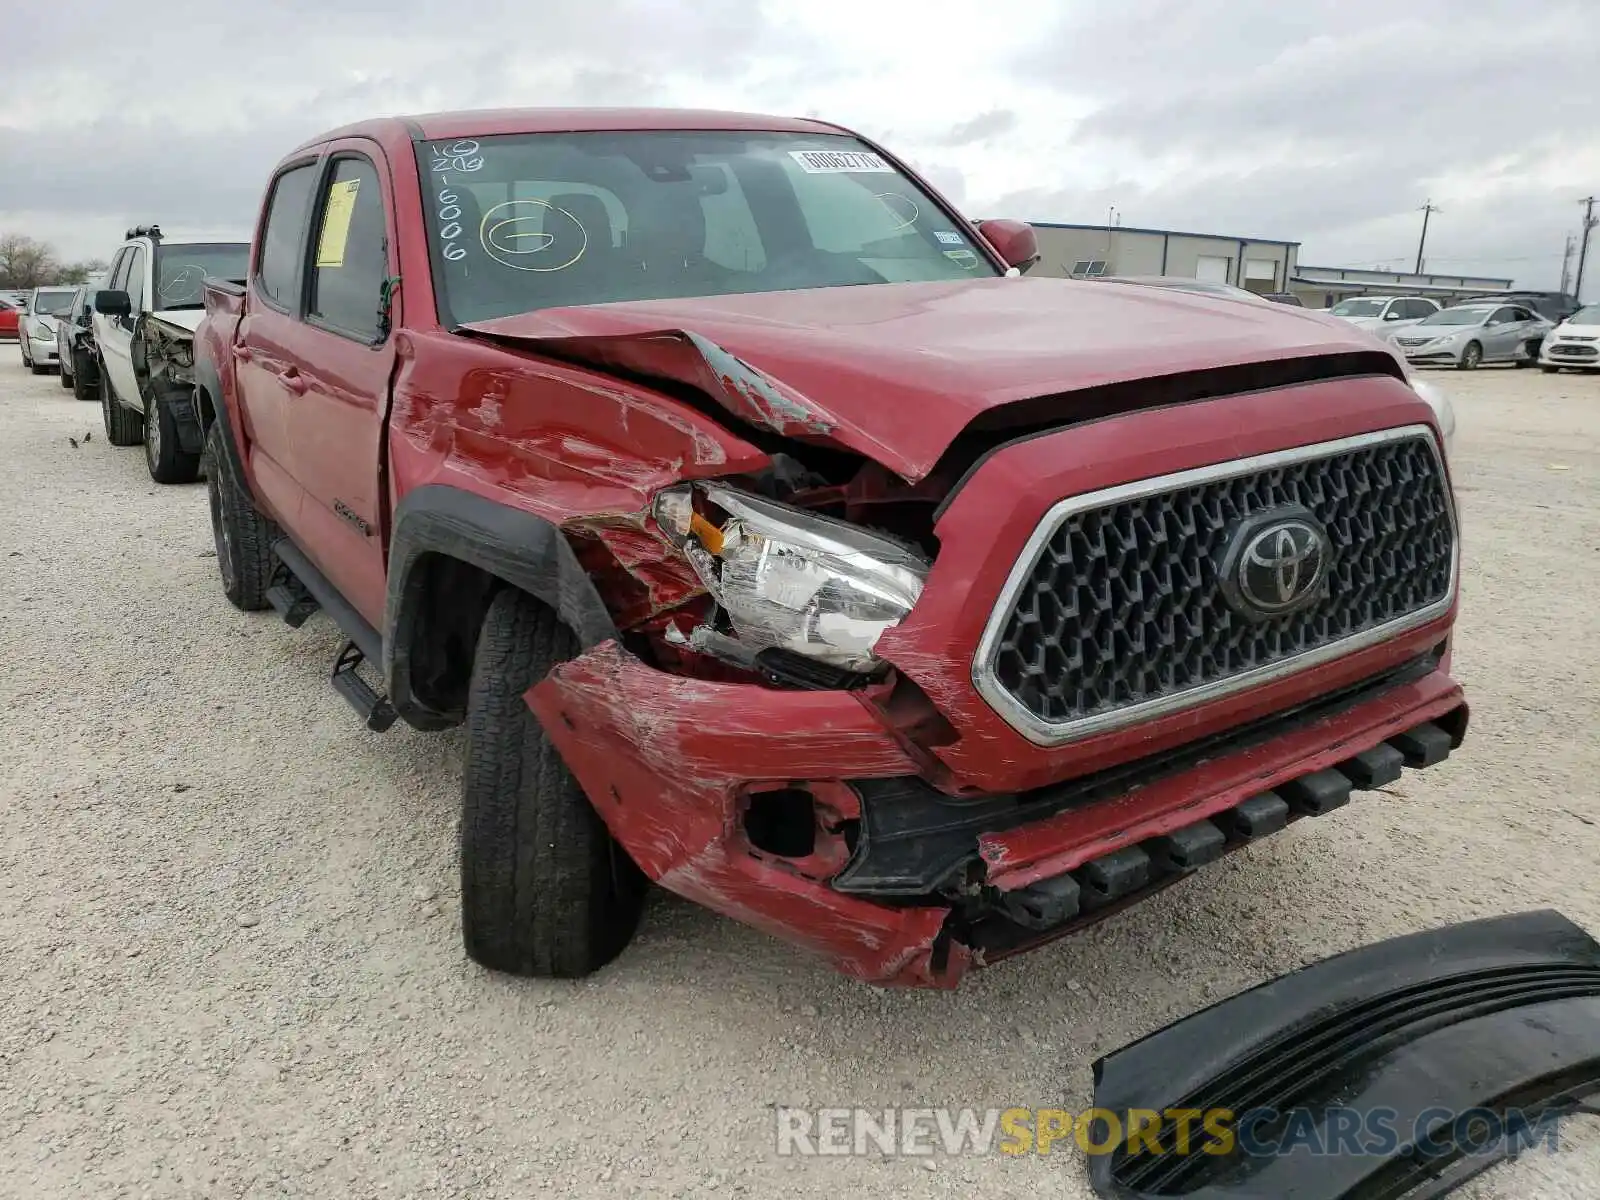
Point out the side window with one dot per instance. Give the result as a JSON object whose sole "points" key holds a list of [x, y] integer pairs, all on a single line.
{"points": [[135, 287], [278, 273], [1521, 314], [117, 277], [352, 252]]}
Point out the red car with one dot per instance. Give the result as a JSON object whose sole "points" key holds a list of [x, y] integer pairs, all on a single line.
{"points": [[10, 318], [775, 542]]}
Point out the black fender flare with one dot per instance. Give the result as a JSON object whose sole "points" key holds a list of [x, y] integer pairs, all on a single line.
{"points": [[208, 379], [512, 545]]}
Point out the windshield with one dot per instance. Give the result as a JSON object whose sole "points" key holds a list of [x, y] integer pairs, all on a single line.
{"points": [[1359, 308], [527, 221], [1586, 316], [55, 303], [180, 269], [1457, 316]]}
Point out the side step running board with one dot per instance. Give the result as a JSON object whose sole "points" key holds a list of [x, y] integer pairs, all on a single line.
{"points": [[289, 597], [376, 713], [298, 590]]}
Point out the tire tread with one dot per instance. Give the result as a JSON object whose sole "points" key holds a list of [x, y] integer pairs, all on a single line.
{"points": [[544, 889]]}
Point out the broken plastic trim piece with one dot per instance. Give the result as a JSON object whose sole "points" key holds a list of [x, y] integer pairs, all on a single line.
{"points": [[1499, 1018]]}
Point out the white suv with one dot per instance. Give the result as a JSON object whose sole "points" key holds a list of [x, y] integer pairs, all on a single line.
{"points": [[1382, 315], [145, 315]]}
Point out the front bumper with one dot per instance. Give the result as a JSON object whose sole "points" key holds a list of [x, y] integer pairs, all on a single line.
{"points": [[42, 350], [1426, 355], [905, 831], [681, 771], [1570, 354]]}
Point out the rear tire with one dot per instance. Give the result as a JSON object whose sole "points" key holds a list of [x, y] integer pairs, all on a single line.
{"points": [[545, 889], [168, 461], [243, 536], [81, 387], [124, 427]]}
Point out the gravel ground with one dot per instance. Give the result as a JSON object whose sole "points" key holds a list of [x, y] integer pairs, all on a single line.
{"points": [[230, 930]]}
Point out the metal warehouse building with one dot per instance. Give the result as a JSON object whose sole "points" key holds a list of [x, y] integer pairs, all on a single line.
{"points": [[1323, 287], [1088, 251]]}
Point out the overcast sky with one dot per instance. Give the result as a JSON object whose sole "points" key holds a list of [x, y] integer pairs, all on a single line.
{"points": [[1328, 122]]}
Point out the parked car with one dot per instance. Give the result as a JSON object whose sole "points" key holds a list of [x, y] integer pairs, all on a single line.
{"points": [[1554, 307], [1384, 315], [1284, 298], [37, 328], [1466, 335], [143, 332], [75, 346], [769, 551], [10, 319], [1203, 287], [1574, 343]]}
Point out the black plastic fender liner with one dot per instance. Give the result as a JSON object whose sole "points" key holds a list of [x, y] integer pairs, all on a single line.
{"points": [[209, 379], [1500, 1014], [516, 546]]}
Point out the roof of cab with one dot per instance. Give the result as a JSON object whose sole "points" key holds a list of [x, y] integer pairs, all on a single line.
{"points": [[491, 121]]}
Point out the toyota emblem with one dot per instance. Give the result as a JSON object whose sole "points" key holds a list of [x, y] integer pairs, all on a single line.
{"points": [[1276, 563]]}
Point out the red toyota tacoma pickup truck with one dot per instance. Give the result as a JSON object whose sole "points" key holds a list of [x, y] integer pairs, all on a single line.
{"points": [[776, 540]]}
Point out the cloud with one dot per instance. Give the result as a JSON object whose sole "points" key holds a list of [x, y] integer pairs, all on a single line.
{"points": [[1323, 121], [1331, 123], [981, 128]]}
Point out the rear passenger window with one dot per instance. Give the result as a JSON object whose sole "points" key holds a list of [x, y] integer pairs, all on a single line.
{"points": [[278, 275], [352, 252]]}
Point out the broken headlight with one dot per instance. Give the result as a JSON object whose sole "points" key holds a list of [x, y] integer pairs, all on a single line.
{"points": [[792, 579]]}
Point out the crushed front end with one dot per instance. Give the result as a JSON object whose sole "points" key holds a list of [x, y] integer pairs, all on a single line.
{"points": [[1107, 655]]}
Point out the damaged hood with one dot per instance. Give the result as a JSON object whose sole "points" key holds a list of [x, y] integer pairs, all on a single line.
{"points": [[182, 318], [897, 371]]}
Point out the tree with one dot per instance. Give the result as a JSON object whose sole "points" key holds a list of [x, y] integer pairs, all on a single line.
{"points": [[82, 272], [25, 262]]}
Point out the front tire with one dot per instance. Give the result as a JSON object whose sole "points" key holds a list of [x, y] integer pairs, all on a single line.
{"points": [[545, 890], [1470, 357], [243, 537], [168, 461], [124, 427], [1548, 369], [63, 375]]}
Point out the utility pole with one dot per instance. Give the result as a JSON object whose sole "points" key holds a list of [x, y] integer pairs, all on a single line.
{"points": [[1427, 210], [1566, 263], [1589, 223]]}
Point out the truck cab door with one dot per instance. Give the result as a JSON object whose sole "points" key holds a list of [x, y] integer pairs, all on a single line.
{"points": [[114, 335], [266, 346], [346, 359]]}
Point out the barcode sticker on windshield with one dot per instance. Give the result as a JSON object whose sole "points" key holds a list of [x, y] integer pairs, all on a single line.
{"points": [[834, 162]]}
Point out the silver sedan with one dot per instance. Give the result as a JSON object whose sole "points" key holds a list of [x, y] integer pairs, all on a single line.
{"points": [[1470, 334]]}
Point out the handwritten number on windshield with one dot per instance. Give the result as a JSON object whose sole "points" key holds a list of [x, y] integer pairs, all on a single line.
{"points": [[462, 157]]}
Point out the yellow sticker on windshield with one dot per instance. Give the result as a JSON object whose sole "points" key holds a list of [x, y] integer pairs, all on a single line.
{"points": [[336, 223]]}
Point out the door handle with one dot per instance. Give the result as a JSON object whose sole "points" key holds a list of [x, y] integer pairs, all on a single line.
{"points": [[243, 353], [293, 381]]}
